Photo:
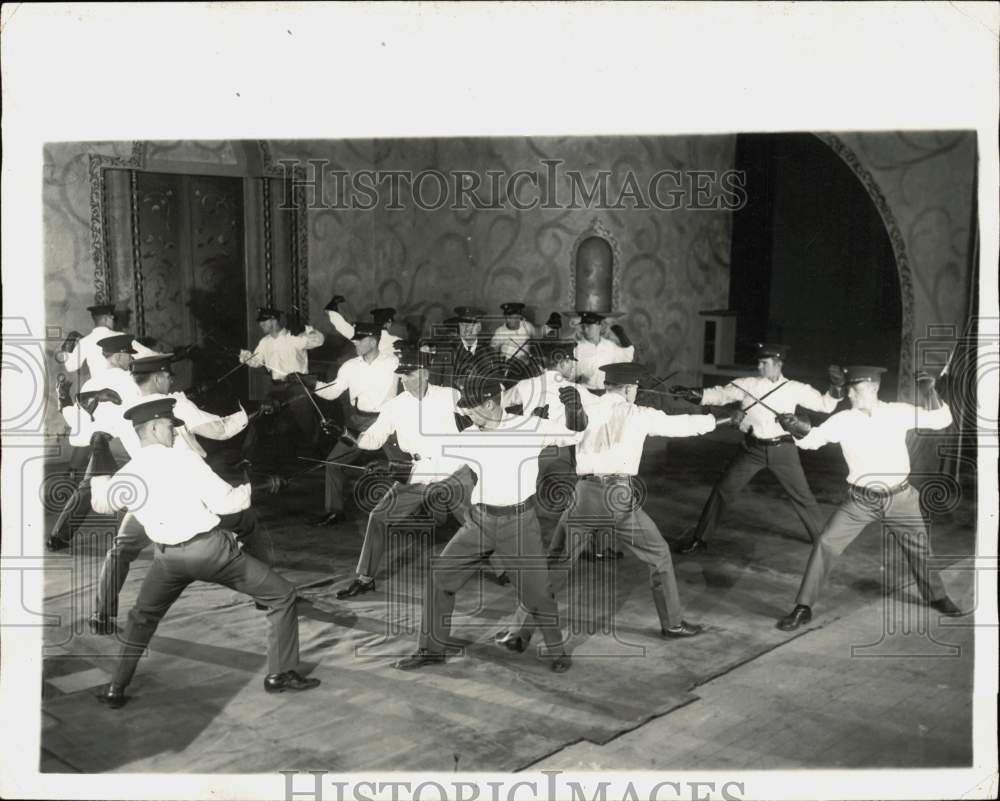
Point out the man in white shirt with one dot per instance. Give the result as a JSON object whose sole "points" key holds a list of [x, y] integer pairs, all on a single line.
{"points": [[98, 409], [370, 380], [284, 355], [383, 317], [154, 378], [609, 498], [503, 450], [422, 417], [766, 445], [597, 348], [872, 435], [78, 350], [179, 501], [511, 339], [540, 396]]}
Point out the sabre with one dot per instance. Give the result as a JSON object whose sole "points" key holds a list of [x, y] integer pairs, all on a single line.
{"points": [[322, 417], [326, 462], [756, 399], [660, 381]]}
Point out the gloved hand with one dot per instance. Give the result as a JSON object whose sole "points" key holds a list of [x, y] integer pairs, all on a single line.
{"points": [[245, 356], [335, 302], [70, 342], [270, 406], [837, 380], [63, 391], [690, 394], [798, 427], [88, 400], [101, 463], [377, 468], [622, 337], [271, 485], [576, 417], [330, 428], [927, 394], [348, 439], [295, 325], [541, 411], [728, 416]]}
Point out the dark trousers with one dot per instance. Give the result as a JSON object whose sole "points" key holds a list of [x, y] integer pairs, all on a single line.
{"points": [[783, 462], [295, 420], [515, 543], [556, 479], [77, 505], [131, 539], [333, 477], [898, 514], [611, 507], [213, 556], [449, 496]]}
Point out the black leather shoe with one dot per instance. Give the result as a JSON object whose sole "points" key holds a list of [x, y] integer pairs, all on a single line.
{"points": [[289, 680], [419, 659], [502, 579], [590, 555], [259, 606], [113, 696], [685, 629], [512, 642], [611, 554], [54, 544], [561, 663], [797, 617], [690, 546], [328, 519], [947, 607], [356, 587], [99, 624]]}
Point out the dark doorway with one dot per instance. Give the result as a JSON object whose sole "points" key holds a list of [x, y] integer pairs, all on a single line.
{"points": [[812, 264], [190, 231]]}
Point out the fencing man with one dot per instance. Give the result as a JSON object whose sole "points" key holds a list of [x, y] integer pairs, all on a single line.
{"points": [[599, 345], [872, 436], [284, 355], [179, 501], [502, 523], [370, 380], [83, 350], [766, 446], [606, 498], [422, 417]]}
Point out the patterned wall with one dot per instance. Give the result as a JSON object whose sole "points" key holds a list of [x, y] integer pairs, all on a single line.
{"points": [[673, 263]]}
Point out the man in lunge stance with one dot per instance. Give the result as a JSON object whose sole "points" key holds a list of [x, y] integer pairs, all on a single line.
{"points": [[872, 435]]}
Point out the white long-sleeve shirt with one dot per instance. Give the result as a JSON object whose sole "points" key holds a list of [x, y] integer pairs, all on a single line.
{"points": [[172, 493], [543, 390], [422, 427], [759, 421], [590, 358], [285, 353], [88, 352], [108, 416], [617, 430], [386, 342], [874, 445], [506, 458], [511, 342], [368, 384]]}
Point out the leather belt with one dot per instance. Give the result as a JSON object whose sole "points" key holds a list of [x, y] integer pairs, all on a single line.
{"points": [[752, 440], [608, 478], [506, 511], [877, 491]]}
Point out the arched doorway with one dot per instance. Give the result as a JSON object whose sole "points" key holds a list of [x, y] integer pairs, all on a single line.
{"points": [[812, 262]]}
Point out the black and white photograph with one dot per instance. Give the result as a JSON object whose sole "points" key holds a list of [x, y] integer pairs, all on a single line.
{"points": [[422, 455]]}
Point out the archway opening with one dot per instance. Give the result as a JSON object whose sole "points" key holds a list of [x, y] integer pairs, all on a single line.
{"points": [[812, 262]]}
